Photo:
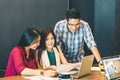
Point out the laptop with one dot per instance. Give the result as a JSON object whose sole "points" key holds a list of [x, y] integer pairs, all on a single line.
{"points": [[85, 68], [112, 67]]}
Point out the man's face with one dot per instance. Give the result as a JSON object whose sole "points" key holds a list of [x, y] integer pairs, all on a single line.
{"points": [[73, 24]]}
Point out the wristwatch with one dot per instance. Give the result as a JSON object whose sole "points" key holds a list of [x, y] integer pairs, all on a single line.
{"points": [[41, 72], [101, 66]]}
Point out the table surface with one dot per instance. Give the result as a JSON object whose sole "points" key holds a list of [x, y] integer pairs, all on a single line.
{"points": [[94, 75]]}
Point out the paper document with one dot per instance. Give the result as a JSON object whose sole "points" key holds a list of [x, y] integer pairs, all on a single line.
{"points": [[67, 67], [40, 78], [95, 68]]}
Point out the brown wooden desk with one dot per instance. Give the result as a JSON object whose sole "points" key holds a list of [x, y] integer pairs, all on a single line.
{"points": [[94, 75]]}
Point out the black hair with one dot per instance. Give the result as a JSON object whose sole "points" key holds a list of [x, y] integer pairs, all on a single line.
{"points": [[72, 13], [28, 36]]}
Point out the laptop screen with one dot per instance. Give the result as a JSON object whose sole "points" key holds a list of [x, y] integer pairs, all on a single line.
{"points": [[112, 67]]}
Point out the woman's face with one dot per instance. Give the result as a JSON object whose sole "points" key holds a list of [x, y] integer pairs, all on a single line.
{"points": [[35, 43], [49, 42]]}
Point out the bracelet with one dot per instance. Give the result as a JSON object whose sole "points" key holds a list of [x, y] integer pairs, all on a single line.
{"points": [[41, 72]]}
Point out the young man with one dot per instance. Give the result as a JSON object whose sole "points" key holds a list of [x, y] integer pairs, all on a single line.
{"points": [[71, 33]]}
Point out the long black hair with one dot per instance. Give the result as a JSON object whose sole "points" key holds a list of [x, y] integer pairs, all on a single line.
{"points": [[28, 36], [44, 33]]}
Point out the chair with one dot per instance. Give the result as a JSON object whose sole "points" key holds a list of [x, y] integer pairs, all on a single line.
{"points": [[2, 72]]}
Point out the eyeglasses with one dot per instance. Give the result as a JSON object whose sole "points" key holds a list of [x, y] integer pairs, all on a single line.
{"points": [[69, 24]]}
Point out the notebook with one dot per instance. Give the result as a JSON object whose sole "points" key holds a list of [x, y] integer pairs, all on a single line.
{"points": [[85, 67], [112, 67]]}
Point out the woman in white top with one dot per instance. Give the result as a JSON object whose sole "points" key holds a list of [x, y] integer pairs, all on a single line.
{"points": [[52, 54]]}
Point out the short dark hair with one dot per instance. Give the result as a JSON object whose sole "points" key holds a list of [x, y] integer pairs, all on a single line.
{"points": [[73, 13], [28, 36], [44, 33]]}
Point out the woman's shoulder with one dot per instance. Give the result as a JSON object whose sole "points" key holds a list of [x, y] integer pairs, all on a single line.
{"points": [[58, 48], [43, 52], [17, 49]]}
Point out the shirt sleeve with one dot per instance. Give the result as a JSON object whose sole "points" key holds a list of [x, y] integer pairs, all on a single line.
{"points": [[18, 59], [57, 33], [88, 36]]}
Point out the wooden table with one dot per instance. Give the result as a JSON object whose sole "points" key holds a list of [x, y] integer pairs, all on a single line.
{"points": [[94, 75]]}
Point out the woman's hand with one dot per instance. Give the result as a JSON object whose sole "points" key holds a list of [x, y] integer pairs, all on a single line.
{"points": [[51, 68], [50, 73], [77, 64]]}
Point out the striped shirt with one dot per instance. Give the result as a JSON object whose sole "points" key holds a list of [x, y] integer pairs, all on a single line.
{"points": [[72, 43]]}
